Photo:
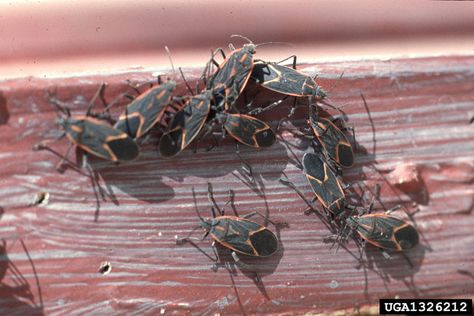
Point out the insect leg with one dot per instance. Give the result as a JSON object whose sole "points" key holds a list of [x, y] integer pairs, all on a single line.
{"points": [[117, 99], [98, 94], [244, 163], [43, 145], [276, 224], [301, 195], [210, 196], [64, 158], [288, 58], [393, 209], [185, 81], [268, 107], [242, 265]]}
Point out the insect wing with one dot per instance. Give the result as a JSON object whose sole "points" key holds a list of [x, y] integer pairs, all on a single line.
{"points": [[324, 182], [185, 125], [249, 130], [286, 80], [146, 110], [243, 236], [232, 76], [264, 241], [100, 139], [333, 140], [387, 232]]}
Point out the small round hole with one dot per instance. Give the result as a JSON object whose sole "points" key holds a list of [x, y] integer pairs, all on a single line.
{"points": [[105, 268]]}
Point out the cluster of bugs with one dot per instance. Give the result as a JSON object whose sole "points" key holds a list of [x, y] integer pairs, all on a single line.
{"points": [[184, 119]]}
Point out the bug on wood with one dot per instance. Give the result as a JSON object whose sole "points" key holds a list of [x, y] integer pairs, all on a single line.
{"points": [[95, 136], [232, 75], [333, 141], [238, 234], [146, 110], [149, 108], [186, 124], [247, 129], [324, 183], [286, 80], [385, 231]]}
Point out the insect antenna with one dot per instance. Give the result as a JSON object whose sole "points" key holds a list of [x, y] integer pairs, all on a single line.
{"points": [[261, 44], [195, 206], [243, 37], [174, 70], [211, 198]]}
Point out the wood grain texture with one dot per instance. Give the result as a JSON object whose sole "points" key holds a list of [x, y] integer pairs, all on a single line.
{"points": [[419, 112]]}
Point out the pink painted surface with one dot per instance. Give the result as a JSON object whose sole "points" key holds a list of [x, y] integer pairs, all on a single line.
{"points": [[51, 38], [419, 112]]}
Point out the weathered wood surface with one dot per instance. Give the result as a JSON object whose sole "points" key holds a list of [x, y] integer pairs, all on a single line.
{"points": [[419, 112]]}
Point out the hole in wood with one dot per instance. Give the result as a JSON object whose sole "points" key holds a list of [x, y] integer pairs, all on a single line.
{"points": [[41, 198], [105, 268]]}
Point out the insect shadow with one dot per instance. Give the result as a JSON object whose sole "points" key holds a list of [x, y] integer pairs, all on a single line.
{"points": [[141, 178], [400, 266], [17, 298], [420, 196]]}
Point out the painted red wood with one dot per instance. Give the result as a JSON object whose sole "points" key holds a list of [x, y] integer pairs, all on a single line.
{"points": [[56, 38], [415, 140]]}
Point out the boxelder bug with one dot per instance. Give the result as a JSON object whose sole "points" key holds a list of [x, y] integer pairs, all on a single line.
{"points": [[186, 124], [95, 136], [286, 80], [385, 231], [232, 75], [247, 129], [332, 139], [324, 183], [148, 108], [238, 234]]}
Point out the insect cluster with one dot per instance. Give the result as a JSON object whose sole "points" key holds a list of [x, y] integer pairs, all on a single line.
{"points": [[184, 119]]}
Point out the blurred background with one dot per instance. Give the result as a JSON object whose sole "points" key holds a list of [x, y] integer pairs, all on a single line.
{"points": [[61, 38]]}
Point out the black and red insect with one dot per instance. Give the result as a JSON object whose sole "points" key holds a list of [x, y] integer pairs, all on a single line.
{"points": [[238, 234], [146, 110], [333, 141], [186, 124], [232, 75], [324, 183], [326, 186], [286, 80], [385, 231], [95, 136], [247, 129], [149, 108]]}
